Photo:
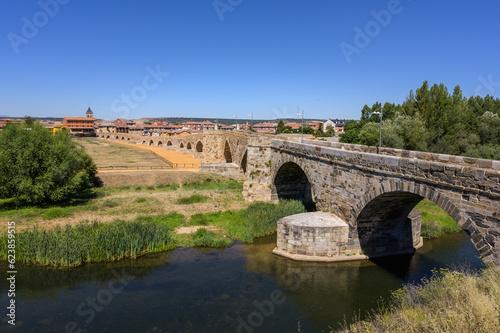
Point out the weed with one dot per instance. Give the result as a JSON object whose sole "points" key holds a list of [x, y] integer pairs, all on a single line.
{"points": [[140, 199]]}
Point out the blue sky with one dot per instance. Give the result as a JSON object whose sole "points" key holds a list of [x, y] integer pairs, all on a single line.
{"points": [[206, 58]]}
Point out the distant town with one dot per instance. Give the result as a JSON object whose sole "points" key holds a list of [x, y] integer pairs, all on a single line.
{"points": [[89, 125]]}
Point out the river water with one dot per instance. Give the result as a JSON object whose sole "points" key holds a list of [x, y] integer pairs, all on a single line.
{"points": [[243, 288]]}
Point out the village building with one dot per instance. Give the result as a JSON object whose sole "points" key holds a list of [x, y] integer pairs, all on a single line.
{"points": [[265, 127], [81, 126]]}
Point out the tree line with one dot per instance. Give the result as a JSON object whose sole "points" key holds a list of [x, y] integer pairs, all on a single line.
{"points": [[431, 119]]}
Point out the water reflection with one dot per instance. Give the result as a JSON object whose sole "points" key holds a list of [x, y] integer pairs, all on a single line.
{"points": [[243, 287]]}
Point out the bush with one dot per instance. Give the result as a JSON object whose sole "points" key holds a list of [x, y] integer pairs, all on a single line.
{"points": [[37, 167]]}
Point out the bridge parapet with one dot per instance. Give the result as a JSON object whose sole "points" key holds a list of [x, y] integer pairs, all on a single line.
{"points": [[431, 157]]}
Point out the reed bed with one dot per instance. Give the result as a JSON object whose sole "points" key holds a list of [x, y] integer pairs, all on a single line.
{"points": [[260, 219], [70, 246]]}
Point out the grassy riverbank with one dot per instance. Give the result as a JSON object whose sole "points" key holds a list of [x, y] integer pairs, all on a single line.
{"points": [[450, 301], [73, 245], [435, 221]]}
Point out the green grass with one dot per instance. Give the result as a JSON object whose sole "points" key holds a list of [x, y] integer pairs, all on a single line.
{"points": [[210, 184], [58, 212], [195, 198], [172, 220], [205, 238], [207, 218], [435, 221], [141, 199], [110, 203], [450, 301], [89, 242]]}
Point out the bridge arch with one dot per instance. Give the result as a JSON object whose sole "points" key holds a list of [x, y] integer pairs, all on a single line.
{"points": [[169, 143], [181, 145], [160, 143], [107, 138], [128, 139], [227, 153], [383, 220], [188, 146], [123, 138], [292, 182], [116, 137], [199, 147], [151, 142]]}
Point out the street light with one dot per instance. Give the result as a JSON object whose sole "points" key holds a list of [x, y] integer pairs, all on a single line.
{"points": [[301, 114], [380, 134], [252, 120]]}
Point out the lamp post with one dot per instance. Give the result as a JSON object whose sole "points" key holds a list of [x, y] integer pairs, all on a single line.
{"points": [[301, 114], [252, 120], [380, 134]]}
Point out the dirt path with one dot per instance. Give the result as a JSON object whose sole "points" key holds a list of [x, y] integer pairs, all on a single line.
{"points": [[192, 164]]}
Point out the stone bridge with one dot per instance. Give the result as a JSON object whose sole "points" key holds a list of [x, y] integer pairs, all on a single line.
{"points": [[372, 194]]}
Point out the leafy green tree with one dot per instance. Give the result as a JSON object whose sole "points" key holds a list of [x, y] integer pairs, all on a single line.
{"points": [[308, 130], [330, 131], [36, 167], [281, 127], [369, 134], [351, 132]]}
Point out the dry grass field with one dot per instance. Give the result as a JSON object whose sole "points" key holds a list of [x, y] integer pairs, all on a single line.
{"points": [[106, 154]]}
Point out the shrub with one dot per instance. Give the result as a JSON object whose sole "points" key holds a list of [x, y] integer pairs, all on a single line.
{"points": [[37, 167]]}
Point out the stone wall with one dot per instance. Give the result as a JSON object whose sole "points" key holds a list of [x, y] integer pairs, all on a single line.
{"points": [[226, 169], [257, 185]]}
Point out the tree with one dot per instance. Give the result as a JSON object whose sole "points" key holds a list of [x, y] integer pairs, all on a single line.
{"points": [[330, 131], [281, 127], [36, 167], [351, 132], [369, 134]]}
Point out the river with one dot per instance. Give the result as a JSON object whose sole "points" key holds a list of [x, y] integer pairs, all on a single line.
{"points": [[243, 288]]}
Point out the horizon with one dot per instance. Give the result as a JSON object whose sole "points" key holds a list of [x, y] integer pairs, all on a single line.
{"points": [[231, 59]]}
